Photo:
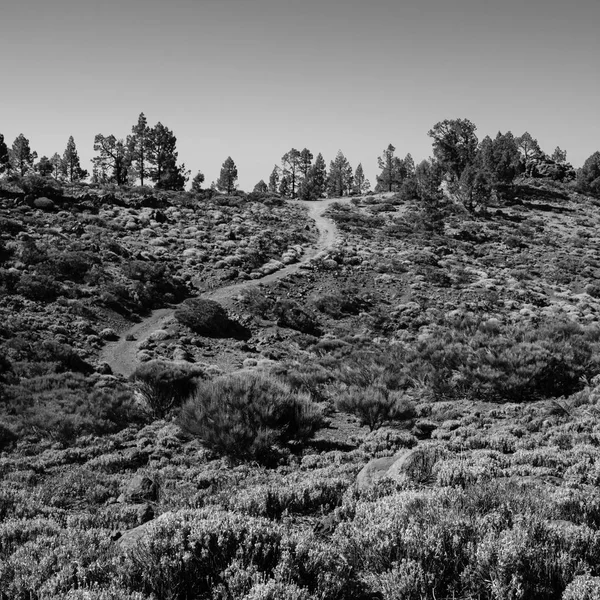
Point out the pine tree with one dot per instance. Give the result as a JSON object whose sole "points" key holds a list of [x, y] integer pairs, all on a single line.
{"points": [[319, 175], [139, 145], [112, 156], [197, 182], [291, 162], [361, 183], [71, 166], [339, 182], [261, 187], [228, 176], [44, 167], [387, 180], [305, 162], [284, 186], [56, 162], [274, 180], [21, 156], [528, 147], [559, 155], [162, 158], [4, 156]]}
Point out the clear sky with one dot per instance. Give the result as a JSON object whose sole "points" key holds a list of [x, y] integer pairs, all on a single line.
{"points": [[254, 78]]}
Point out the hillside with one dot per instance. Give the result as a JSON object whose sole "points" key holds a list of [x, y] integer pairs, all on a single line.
{"points": [[361, 397]]}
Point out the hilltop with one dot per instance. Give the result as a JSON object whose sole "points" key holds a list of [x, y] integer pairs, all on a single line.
{"points": [[437, 369]]}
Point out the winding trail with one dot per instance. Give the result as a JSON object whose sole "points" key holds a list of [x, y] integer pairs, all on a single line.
{"points": [[121, 355]]}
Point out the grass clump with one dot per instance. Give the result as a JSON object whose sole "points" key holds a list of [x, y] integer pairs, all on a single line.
{"points": [[249, 416]]}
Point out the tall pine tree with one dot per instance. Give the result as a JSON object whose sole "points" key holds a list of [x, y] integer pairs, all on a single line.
{"points": [[112, 158], [139, 143], [274, 180], [228, 176], [291, 162], [21, 156], [71, 167], [361, 183], [340, 180]]}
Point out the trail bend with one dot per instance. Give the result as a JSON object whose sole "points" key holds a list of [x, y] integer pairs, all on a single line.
{"points": [[121, 355]]}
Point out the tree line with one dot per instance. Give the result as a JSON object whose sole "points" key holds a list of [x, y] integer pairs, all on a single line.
{"points": [[472, 169]]}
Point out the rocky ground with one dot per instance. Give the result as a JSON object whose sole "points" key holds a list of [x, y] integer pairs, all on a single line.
{"points": [[483, 329]]}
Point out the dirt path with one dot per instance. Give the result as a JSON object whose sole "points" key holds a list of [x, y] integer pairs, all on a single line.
{"points": [[121, 355]]}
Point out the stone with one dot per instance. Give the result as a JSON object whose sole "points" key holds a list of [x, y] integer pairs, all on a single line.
{"points": [[140, 489]]}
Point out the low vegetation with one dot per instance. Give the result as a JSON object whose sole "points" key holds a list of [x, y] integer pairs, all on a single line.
{"points": [[411, 413]]}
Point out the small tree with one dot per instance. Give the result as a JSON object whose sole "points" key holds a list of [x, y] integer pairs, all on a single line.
{"points": [[340, 179], [44, 167], [21, 156], [228, 176], [261, 187], [284, 186], [528, 147], [292, 162], [361, 183], [197, 182], [454, 144], [559, 155], [139, 144], [588, 177], [70, 164], [274, 180], [112, 156]]}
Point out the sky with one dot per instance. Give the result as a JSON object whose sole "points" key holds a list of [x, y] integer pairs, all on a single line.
{"points": [[252, 79]]}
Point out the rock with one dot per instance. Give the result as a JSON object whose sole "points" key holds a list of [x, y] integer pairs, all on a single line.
{"points": [[108, 334], [131, 538], [140, 489], [158, 335], [415, 465], [104, 369], [44, 203]]}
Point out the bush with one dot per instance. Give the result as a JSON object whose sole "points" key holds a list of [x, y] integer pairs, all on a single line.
{"points": [[291, 314], [208, 318], [162, 386], [583, 587], [246, 416], [375, 405]]}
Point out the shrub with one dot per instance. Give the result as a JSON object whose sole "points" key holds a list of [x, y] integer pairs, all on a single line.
{"points": [[163, 385], [375, 405], [583, 587], [208, 318], [291, 314], [246, 415]]}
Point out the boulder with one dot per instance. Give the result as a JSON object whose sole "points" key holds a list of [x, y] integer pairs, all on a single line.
{"points": [[415, 465], [140, 489]]}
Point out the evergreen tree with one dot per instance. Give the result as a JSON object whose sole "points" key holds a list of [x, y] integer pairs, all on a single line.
{"points": [[291, 162], [113, 158], [559, 155], [162, 159], [305, 162], [21, 156], [4, 156], [274, 180], [228, 176], [44, 167], [197, 182], [71, 166], [284, 186], [56, 162], [139, 144], [340, 179], [261, 187], [389, 179], [319, 176], [529, 148], [588, 177], [499, 158], [454, 145], [361, 183], [428, 176]]}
